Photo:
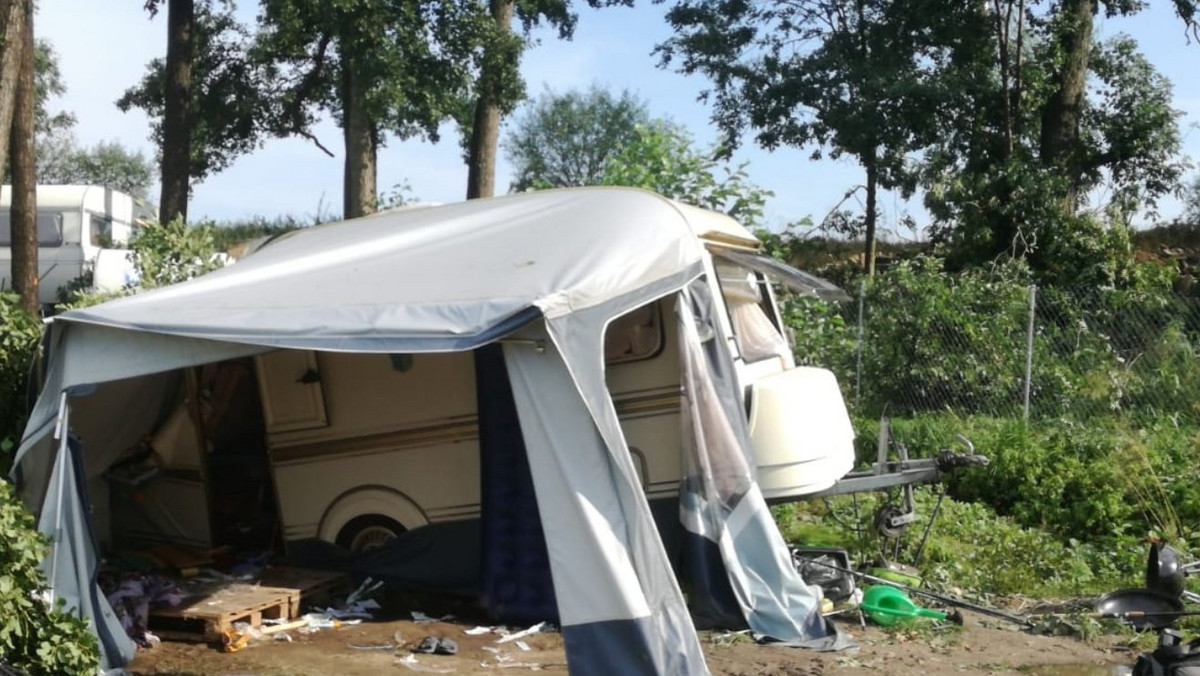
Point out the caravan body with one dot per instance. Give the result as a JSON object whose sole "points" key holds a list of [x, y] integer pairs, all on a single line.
{"points": [[82, 230], [364, 447]]}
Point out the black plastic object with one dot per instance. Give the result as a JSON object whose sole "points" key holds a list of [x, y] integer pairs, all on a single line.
{"points": [[1164, 573], [1140, 608], [823, 566]]}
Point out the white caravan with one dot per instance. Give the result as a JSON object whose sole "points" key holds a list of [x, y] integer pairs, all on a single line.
{"points": [[340, 426], [82, 230]]}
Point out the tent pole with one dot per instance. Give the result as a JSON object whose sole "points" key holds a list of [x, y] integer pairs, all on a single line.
{"points": [[63, 434], [192, 398]]}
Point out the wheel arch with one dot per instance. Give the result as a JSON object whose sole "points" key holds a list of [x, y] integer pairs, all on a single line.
{"points": [[365, 500]]}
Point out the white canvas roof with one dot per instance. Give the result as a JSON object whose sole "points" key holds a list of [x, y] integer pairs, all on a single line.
{"points": [[434, 278]]}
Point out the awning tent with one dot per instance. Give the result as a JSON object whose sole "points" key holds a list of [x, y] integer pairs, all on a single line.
{"points": [[548, 269]]}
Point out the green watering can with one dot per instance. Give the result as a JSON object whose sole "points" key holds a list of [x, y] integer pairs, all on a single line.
{"points": [[888, 606]]}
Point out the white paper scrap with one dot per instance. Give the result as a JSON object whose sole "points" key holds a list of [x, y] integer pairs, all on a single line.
{"points": [[523, 633]]}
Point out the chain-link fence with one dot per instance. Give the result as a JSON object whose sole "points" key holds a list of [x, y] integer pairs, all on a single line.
{"points": [[974, 346]]}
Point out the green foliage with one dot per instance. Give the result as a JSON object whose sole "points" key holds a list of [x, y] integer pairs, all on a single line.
{"points": [[35, 637], [227, 235], [1106, 483], [970, 327], [108, 163], [411, 62], [167, 253], [866, 79], [230, 110], [19, 335], [48, 83], [661, 158], [1016, 156], [1191, 203], [568, 139]]}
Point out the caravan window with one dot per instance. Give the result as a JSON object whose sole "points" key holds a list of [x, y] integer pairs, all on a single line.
{"points": [[756, 324], [101, 231], [634, 335], [49, 228]]}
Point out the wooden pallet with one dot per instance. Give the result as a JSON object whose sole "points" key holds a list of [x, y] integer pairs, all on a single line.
{"points": [[209, 615], [312, 587]]}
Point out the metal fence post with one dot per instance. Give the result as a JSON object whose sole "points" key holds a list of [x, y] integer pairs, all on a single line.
{"points": [[862, 294], [1029, 346]]}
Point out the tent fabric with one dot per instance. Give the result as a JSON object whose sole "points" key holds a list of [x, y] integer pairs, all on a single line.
{"points": [[619, 607], [514, 581], [720, 501], [72, 568]]}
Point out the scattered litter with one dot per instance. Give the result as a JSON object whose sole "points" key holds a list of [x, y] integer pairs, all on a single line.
{"points": [[476, 631], [234, 640], [133, 598], [410, 661], [283, 636], [368, 586], [324, 621], [284, 625], [537, 628], [420, 617], [523, 646], [381, 646], [532, 666], [437, 646], [359, 609], [492, 649]]}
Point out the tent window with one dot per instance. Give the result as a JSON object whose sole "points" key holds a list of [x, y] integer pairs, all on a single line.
{"points": [[635, 335], [49, 228]]}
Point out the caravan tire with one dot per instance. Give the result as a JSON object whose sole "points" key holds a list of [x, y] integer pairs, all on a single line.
{"points": [[367, 532]]}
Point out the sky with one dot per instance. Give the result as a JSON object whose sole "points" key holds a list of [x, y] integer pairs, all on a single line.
{"points": [[104, 51]]}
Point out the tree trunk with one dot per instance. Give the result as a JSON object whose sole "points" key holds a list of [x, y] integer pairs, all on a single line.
{"points": [[872, 194], [12, 26], [23, 214], [177, 110], [358, 183], [1060, 116], [485, 132]]}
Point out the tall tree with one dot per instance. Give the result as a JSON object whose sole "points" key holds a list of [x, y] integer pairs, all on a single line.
{"points": [[499, 86], [494, 90], [380, 67], [1017, 154], [177, 109], [13, 15], [23, 214], [175, 128], [568, 139], [231, 109], [855, 77]]}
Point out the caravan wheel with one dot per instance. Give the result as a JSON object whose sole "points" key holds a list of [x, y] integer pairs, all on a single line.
{"points": [[367, 532]]}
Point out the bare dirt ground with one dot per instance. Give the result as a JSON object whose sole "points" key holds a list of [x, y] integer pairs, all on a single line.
{"points": [[979, 648]]}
